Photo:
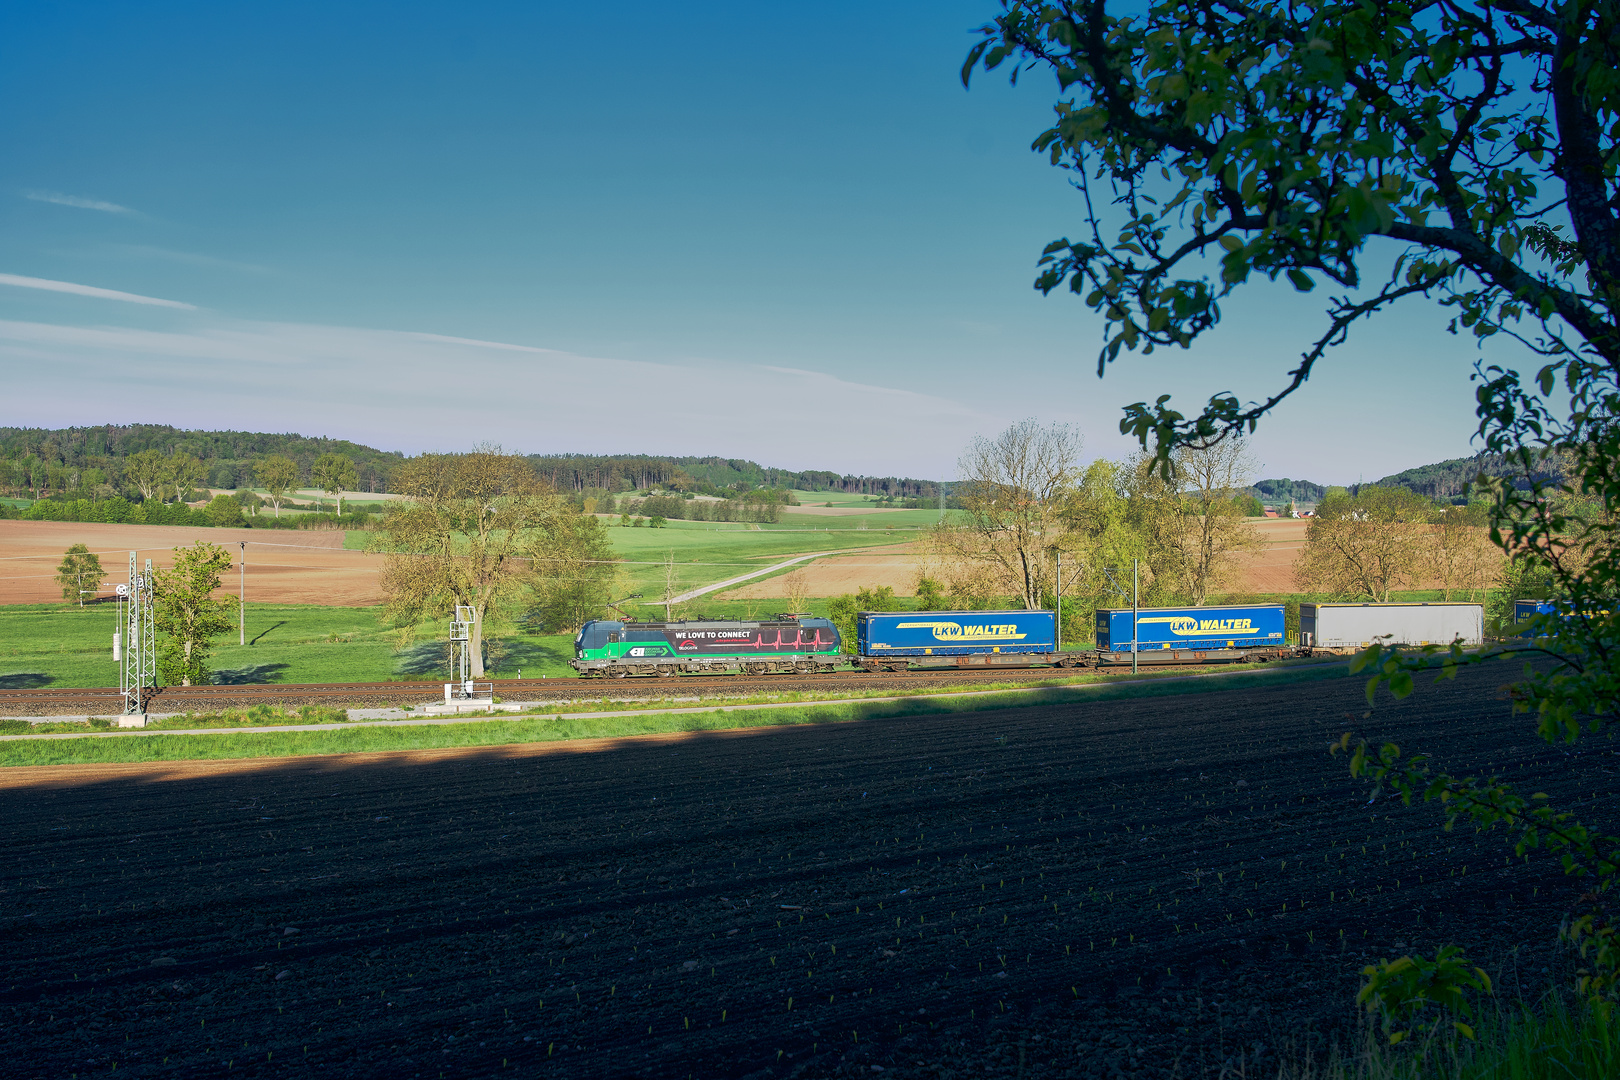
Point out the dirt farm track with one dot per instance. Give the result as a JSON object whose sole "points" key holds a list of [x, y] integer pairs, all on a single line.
{"points": [[1163, 887]]}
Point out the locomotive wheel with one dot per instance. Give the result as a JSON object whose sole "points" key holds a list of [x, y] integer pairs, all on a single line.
{"points": [[616, 673], [805, 668], [666, 672]]}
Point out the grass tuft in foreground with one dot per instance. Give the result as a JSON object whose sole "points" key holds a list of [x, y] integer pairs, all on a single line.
{"points": [[257, 716], [1553, 1041]]}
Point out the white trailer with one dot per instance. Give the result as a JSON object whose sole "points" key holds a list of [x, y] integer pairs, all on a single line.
{"points": [[1355, 626]]}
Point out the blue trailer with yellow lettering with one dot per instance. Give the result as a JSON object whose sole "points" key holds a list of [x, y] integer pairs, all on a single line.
{"points": [[892, 640], [1561, 611], [1192, 634]]}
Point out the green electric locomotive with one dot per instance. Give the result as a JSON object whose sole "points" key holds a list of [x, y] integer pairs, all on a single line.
{"points": [[787, 644]]}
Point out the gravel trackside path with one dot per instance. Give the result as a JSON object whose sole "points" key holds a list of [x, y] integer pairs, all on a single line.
{"points": [[1159, 887]]}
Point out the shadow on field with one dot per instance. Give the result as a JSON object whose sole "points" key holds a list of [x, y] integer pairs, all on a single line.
{"points": [[426, 658], [1135, 885], [264, 633], [25, 680], [252, 674], [431, 659]]}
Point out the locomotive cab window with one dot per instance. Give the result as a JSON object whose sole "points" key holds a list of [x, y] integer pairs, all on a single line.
{"points": [[594, 635]]}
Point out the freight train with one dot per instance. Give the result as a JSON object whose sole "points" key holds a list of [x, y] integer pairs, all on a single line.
{"points": [[900, 641]]}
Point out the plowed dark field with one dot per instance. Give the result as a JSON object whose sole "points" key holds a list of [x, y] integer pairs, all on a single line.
{"points": [[1161, 887]]}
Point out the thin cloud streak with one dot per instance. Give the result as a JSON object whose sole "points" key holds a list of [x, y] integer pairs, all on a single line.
{"points": [[76, 289], [188, 258], [419, 391], [59, 199]]}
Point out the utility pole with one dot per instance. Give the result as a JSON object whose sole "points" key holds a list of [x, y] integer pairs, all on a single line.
{"points": [[241, 596], [1059, 591], [1135, 598]]}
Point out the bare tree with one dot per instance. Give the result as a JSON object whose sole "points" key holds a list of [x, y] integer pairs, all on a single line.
{"points": [[798, 590], [1193, 522], [1365, 545], [1458, 555], [672, 580], [1012, 489]]}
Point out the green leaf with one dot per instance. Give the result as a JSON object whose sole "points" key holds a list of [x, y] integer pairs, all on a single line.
{"points": [[1302, 281], [1231, 243]]}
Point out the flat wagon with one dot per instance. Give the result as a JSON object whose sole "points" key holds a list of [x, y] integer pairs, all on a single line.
{"points": [[1191, 635], [892, 640], [1355, 626], [1561, 610]]}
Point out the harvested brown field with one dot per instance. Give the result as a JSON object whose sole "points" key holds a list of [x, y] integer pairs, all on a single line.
{"points": [[1271, 570], [284, 566]]}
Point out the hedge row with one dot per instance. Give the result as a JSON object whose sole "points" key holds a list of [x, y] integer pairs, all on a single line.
{"points": [[121, 510]]}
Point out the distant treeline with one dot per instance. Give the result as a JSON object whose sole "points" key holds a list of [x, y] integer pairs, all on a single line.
{"points": [[709, 476], [224, 511], [89, 460], [761, 504], [1280, 492]]}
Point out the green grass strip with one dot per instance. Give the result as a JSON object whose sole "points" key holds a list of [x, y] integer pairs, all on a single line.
{"points": [[539, 729]]}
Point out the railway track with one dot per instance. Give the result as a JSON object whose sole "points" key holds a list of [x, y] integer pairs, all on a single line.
{"points": [[101, 701]]}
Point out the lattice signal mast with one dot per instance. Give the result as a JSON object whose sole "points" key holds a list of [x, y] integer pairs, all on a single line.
{"points": [[461, 647], [138, 674]]}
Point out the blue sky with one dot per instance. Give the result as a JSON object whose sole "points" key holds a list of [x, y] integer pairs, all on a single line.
{"points": [[779, 233]]}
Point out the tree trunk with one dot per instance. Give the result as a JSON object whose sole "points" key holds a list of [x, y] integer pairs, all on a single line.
{"points": [[475, 642]]}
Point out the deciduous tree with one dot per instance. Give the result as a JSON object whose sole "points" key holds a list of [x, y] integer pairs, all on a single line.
{"points": [[1192, 523], [1471, 150], [187, 615], [79, 573], [148, 472], [333, 474], [184, 472], [276, 474], [482, 531]]}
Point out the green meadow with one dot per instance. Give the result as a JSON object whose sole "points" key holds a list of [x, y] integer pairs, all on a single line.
{"points": [[707, 552], [57, 645], [61, 646]]}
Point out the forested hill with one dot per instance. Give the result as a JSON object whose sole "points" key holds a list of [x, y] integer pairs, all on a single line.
{"points": [[1442, 480], [579, 472], [1450, 479], [65, 459], [228, 455], [1279, 492]]}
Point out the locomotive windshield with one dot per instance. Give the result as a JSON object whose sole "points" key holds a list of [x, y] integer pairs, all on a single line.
{"points": [[593, 635]]}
